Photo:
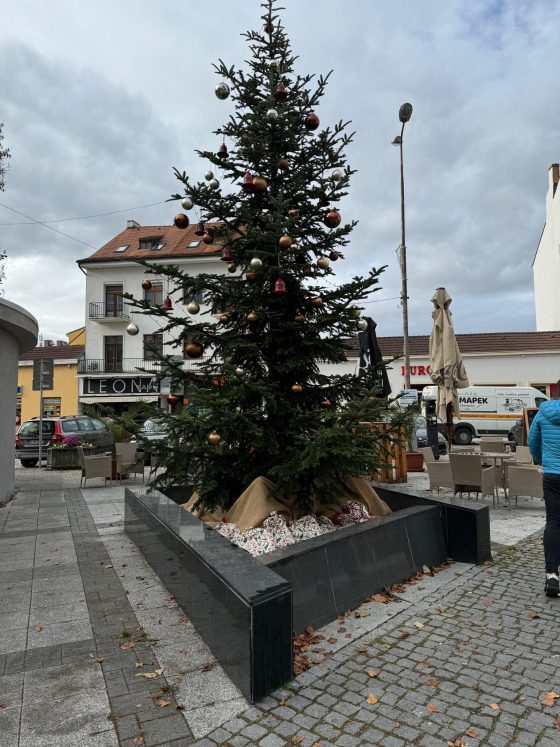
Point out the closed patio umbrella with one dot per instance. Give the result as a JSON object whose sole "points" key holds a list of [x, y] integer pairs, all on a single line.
{"points": [[370, 355], [446, 363]]}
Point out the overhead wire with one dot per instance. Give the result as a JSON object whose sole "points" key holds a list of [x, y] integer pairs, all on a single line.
{"points": [[80, 217]]}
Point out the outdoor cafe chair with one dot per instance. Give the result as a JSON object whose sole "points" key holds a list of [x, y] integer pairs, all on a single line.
{"points": [[94, 466], [492, 444], [525, 480], [130, 461], [440, 475], [470, 476]]}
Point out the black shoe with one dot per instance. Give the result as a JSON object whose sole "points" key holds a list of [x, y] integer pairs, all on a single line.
{"points": [[552, 587]]}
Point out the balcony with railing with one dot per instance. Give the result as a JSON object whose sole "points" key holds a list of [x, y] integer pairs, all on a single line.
{"points": [[138, 366], [113, 311]]}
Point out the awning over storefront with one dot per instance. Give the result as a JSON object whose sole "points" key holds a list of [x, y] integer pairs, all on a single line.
{"points": [[120, 400]]}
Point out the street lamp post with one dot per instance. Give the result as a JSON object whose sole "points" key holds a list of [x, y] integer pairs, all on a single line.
{"points": [[405, 112]]}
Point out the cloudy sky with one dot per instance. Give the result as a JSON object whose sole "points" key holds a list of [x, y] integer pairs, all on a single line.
{"points": [[100, 100]]}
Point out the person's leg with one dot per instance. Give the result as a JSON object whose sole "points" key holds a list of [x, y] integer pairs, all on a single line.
{"points": [[551, 539]]}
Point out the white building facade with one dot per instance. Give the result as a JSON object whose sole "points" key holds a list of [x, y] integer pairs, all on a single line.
{"points": [[111, 372], [546, 265]]}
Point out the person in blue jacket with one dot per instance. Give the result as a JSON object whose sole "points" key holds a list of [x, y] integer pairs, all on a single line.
{"points": [[544, 443]]}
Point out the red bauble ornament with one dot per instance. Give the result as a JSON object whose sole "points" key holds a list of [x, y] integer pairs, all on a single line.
{"points": [[296, 388], [284, 164], [334, 255], [167, 303], [280, 94], [332, 219], [279, 286], [268, 27], [222, 151], [248, 182], [200, 229], [293, 213], [147, 284], [299, 318], [312, 121], [227, 254], [181, 221], [307, 271], [317, 301], [172, 399], [193, 349], [326, 403]]}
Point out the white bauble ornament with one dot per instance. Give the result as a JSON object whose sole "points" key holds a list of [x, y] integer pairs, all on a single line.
{"points": [[272, 115], [362, 324], [213, 184], [222, 91], [132, 329], [323, 263], [356, 312], [193, 307], [337, 176], [208, 175], [187, 203], [256, 264]]}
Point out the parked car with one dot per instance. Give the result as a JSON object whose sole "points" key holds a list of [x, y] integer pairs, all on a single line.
{"points": [[422, 435], [55, 430]]}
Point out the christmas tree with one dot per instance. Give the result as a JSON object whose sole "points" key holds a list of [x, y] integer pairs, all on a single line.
{"points": [[263, 408]]}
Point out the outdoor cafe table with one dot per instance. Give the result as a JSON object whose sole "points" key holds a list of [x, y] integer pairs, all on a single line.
{"points": [[501, 457]]}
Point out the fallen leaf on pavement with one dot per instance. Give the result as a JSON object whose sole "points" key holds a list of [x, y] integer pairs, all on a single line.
{"points": [[169, 600], [180, 707], [38, 628], [557, 722], [316, 744], [471, 732], [127, 646], [433, 682], [372, 699], [487, 601], [535, 616], [2, 705], [43, 606], [432, 708], [97, 659], [381, 598], [549, 698], [150, 675], [183, 620], [372, 673], [138, 739], [457, 743], [404, 634], [494, 706], [426, 568], [361, 650], [418, 625], [209, 666], [108, 566], [297, 740], [162, 703], [331, 640], [139, 664]]}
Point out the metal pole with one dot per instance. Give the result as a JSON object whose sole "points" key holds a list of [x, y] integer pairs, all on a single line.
{"points": [[404, 286], [40, 412]]}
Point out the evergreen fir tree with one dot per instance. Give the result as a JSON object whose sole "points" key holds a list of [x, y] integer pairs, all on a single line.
{"points": [[262, 406]]}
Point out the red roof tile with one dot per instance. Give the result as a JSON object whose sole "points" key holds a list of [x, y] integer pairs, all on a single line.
{"points": [[56, 352], [480, 342], [175, 244]]}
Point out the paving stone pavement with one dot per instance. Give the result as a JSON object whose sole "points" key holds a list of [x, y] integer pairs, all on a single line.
{"points": [[74, 590]]}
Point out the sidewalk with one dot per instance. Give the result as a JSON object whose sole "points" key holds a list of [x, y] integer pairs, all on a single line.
{"points": [[93, 649]]}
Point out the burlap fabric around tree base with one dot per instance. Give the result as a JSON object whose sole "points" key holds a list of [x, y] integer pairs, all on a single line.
{"points": [[256, 504]]}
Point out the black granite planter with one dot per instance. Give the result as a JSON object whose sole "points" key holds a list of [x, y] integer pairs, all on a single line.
{"points": [[241, 609], [466, 524], [335, 572]]}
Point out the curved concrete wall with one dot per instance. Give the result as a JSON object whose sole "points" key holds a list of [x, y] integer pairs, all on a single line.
{"points": [[18, 333]]}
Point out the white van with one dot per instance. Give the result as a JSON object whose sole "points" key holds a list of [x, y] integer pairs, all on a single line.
{"points": [[488, 409]]}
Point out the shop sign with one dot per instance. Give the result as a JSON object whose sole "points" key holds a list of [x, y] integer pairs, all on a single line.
{"points": [[418, 370], [136, 385]]}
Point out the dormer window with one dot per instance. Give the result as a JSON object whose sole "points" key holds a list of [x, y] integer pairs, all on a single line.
{"points": [[121, 249], [152, 243]]}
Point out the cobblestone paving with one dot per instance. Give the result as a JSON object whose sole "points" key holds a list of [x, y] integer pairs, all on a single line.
{"points": [[474, 664]]}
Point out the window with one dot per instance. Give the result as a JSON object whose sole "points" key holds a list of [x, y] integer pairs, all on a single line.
{"points": [[51, 407], [85, 424], [190, 294], [193, 244], [153, 346], [154, 296], [114, 305], [121, 248], [70, 426], [153, 243], [97, 425], [113, 353]]}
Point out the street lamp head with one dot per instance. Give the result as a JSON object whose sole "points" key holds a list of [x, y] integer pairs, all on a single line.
{"points": [[405, 112], [397, 140]]}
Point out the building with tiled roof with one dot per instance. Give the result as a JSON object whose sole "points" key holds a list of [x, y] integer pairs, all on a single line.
{"points": [[546, 263], [110, 371]]}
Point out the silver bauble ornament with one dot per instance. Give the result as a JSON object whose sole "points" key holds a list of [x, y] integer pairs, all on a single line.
{"points": [[132, 329], [323, 263], [356, 312], [337, 176], [213, 184], [239, 371], [222, 91], [193, 307], [274, 63], [187, 203], [272, 115], [256, 264], [208, 175], [362, 324]]}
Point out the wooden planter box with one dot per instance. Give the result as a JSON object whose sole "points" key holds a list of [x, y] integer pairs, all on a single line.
{"points": [[65, 458], [414, 461]]}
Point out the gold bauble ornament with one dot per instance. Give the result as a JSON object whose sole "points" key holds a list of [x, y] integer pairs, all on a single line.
{"points": [[251, 276], [224, 318], [208, 238], [296, 388], [252, 317], [259, 184], [231, 267], [214, 438], [285, 241], [299, 318], [193, 349], [317, 301]]}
